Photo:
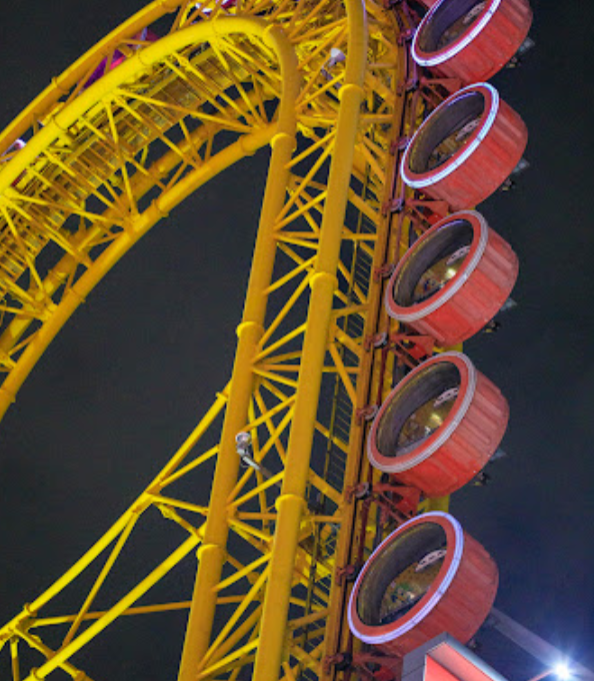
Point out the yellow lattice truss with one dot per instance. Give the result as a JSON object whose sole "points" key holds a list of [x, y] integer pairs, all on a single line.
{"points": [[104, 159]]}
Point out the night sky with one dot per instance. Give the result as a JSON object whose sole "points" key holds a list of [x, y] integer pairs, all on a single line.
{"points": [[138, 365]]}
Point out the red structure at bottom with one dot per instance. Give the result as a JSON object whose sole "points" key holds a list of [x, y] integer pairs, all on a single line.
{"points": [[446, 659], [428, 577]]}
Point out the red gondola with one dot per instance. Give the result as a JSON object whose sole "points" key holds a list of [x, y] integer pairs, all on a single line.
{"points": [[426, 578], [466, 148], [453, 280], [439, 426], [471, 39]]}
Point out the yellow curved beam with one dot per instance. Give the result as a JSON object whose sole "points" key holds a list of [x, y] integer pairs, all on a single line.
{"points": [[73, 74], [290, 527], [291, 503], [78, 293], [132, 67], [283, 142], [140, 224], [249, 332]]}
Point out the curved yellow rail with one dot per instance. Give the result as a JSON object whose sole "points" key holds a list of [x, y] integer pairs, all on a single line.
{"points": [[103, 161], [137, 223]]}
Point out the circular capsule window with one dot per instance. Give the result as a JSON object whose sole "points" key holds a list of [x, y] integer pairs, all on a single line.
{"points": [[439, 426], [453, 280], [471, 39], [466, 148], [427, 577]]}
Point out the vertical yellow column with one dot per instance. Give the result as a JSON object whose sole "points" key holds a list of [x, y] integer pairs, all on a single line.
{"points": [[291, 502], [212, 554], [439, 504]]}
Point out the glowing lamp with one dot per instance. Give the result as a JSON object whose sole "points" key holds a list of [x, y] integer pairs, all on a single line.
{"points": [[562, 671]]}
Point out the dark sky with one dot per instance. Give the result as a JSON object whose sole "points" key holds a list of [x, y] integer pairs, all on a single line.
{"points": [[140, 362]]}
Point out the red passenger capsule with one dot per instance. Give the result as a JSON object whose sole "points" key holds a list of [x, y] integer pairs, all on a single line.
{"points": [[453, 280], [471, 39], [439, 426], [466, 148], [428, 577]]}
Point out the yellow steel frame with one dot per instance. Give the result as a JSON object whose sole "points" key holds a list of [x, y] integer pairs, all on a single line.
{"points": [[103, 162]]}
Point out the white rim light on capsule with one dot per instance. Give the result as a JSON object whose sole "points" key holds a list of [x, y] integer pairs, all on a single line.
{"points": [[467, 151], [435, 598], [401, 466], [440, 57], [455, 285]]}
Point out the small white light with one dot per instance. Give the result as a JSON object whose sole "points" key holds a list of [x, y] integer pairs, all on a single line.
{"points": [[336, 56], [562, 671], [243, 445], [243, 439]]}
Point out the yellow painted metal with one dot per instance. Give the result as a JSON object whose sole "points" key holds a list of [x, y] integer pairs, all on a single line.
{"points": [[60, 657], [256, 73], [323, 284], [438, 504], [249, 332], [65, 118], [79, 292]]}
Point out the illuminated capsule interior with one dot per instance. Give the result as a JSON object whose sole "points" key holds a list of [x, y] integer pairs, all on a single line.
{"points": [[448, 22], [446, 132], [418, 410], [401, 574], [434, 262]]}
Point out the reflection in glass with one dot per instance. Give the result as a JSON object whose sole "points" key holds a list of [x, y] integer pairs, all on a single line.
{"points": [[417, 409], [460, 25], [438, 275], [446, 131], [408, 587], [401, 573], [425, 420], [451, 144]]}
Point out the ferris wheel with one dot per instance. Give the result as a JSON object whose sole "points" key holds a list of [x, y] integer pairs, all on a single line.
{"points": [[325, 548]]}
